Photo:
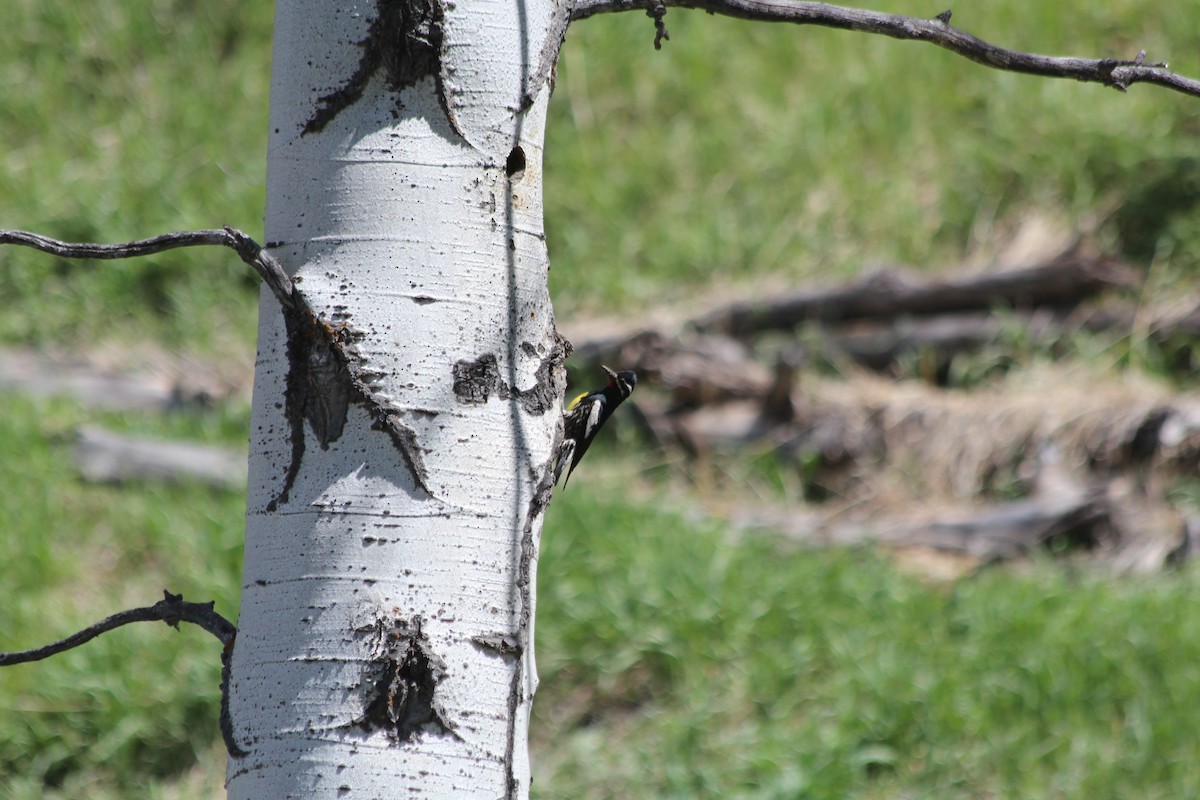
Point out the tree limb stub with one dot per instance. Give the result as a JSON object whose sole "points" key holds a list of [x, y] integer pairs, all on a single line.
{"points": [[1117, 73]]}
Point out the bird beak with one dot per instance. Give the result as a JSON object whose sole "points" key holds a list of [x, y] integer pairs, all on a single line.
{"points": [[612, 376]]}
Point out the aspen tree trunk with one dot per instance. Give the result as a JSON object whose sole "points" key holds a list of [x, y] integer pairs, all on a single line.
{"points": [[386, 628]]}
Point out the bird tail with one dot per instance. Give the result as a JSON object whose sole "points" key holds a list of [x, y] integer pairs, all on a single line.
{"points": [[565, 452]]}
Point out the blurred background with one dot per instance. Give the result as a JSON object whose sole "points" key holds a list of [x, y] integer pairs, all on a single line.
{"points": [[838, 556]]}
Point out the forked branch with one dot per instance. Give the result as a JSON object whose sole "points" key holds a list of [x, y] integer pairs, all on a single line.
{"points": [[1117, 73]]}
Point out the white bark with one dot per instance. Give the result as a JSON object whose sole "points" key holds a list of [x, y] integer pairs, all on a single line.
{"points": [[406, 233]]}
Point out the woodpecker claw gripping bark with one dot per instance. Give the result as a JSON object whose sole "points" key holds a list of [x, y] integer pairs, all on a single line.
{"points": [[585, 415]]}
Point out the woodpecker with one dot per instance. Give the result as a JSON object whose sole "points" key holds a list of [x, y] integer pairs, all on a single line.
{"points": [[584, 416]]}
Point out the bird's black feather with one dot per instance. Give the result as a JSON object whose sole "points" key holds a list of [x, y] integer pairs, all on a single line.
{"points": [[585, 416]]}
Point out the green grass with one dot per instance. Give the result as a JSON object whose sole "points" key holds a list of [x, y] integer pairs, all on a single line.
{"points": [[678, 660], [746, 150], [739, 152], [120, 122], [136, 702]]}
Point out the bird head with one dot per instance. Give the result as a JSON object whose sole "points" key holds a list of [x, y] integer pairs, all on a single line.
{"points": [[624, 381]]}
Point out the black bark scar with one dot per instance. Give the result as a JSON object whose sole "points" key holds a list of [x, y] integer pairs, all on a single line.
{"points": [[548, 59], [405, 39], [549, 383], [504, 645], [324, 376], [403, 678], [405, 440], [318, 388], [476, 381], [226, 719]]}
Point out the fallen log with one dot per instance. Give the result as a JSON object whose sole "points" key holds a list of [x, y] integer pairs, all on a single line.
{"points": [[881, 346], [1112, 522], [1099, 523], [888, 294], [696, 369], [105, 457], [35, 374], [1072, 520], [1077, 519]]}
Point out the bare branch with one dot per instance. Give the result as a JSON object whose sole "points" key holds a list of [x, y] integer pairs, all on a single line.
{"points": [[268, 268], [1117, 73], [172, 609]]}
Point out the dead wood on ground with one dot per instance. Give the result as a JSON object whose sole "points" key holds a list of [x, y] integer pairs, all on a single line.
{"points": [[735, 379], [887, 294], [105, 457]]}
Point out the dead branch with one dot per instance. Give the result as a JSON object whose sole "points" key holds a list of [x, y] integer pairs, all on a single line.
{"points": [[172, 609], [887, 294], [267, 267], [1117, 73]]}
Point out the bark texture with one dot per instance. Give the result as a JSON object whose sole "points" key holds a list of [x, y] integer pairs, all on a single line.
{"points": [[393, 521]]}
